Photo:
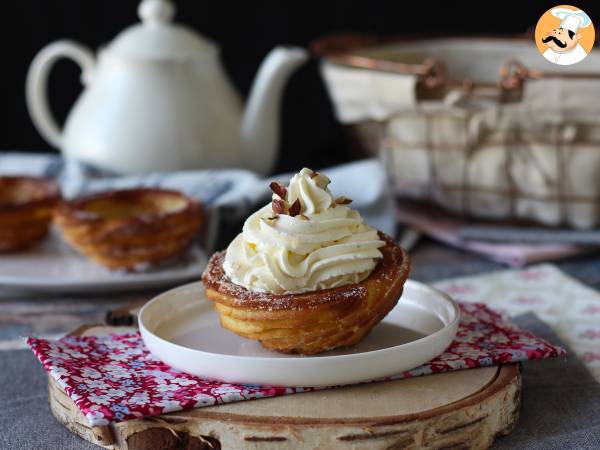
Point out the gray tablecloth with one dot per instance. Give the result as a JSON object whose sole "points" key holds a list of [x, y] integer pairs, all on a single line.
{"points": [[560, 409], [561, 402]]}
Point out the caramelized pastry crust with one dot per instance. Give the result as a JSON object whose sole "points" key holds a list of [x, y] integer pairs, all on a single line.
{"points": [[129, 229], [311, 322], [26, 205]]}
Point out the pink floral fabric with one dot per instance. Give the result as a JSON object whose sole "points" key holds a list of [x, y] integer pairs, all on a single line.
{"points": [[115, 378], [569, 307]]}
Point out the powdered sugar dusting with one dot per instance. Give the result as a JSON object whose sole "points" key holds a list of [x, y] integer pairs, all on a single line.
{"points": [[393, 262], [214, 277]]}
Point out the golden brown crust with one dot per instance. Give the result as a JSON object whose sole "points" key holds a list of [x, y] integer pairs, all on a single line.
{"points": [[129, 228], [310, 322], [26, 205]]}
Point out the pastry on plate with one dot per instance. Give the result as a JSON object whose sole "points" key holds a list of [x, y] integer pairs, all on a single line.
{"points": [[130, 229], [306, 275], [26, 205]]}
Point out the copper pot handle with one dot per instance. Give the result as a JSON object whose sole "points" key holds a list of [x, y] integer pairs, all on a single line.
{"points": [[432, 73], [340, 48], [512, 75]]}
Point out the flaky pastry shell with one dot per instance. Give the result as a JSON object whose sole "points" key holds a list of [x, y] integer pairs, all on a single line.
{"points": [[26, 205], [312, 322], [132, 228]]}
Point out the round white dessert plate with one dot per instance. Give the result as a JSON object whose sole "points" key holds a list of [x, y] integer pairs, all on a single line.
{"points": [[181, 328], [53, 267]]}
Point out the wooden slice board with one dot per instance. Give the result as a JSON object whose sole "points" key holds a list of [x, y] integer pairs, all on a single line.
{"points": [[458, 410]]}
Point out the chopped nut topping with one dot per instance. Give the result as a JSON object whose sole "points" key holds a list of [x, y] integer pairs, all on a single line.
{"points": [[278, 189], [295, 208], [320, 180], [278, 206], [343, 200]]}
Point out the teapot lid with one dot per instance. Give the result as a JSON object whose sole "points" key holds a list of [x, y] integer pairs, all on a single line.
{"points": [[158, 38]]}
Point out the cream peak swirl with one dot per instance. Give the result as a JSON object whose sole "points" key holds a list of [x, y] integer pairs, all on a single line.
{"points": [[304, 240]]}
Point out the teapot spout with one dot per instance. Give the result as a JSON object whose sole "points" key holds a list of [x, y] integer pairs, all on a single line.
{"points": [[260, 124]]}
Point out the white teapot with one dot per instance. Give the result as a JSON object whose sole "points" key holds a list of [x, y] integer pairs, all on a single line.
{"points": [[157, 99]]}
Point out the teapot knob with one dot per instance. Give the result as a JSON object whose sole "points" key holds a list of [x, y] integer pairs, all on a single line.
{"points": [[156, 11]]}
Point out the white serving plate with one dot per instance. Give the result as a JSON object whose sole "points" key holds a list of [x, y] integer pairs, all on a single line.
{"points": [[181, 328], [53, 267]]}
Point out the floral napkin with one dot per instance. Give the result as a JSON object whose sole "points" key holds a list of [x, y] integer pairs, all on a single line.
{"points": [[115, 378], [569, 307]]}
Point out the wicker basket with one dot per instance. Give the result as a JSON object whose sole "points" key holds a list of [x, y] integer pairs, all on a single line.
{"points": [[486, 128]]}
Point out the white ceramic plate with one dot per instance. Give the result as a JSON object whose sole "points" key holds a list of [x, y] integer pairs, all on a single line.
{"points": [[52, 266], [181, 328]]}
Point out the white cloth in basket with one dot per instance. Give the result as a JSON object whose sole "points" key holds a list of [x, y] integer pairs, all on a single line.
{"points": [[534, 158]]}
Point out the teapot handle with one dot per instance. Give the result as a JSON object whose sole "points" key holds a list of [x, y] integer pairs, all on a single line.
{"points": [[37, 80]]}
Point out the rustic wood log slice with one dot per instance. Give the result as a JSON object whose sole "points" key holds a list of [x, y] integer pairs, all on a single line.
{"points": [[458, 410]]}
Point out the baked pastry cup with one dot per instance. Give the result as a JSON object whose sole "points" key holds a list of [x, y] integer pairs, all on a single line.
{"points": [[312, 322], [130, 229], [26, 205]]}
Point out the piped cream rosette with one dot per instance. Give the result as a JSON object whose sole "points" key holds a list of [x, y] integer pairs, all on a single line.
{"points": [[304, 240]]}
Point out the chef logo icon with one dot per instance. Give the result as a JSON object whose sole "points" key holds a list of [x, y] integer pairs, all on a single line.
{"points": [[564, 35]]}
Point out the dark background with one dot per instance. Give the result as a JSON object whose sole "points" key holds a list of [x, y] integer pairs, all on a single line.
{"points": [[246, 31]]}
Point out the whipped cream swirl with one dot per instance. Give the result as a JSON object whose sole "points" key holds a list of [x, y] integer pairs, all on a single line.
{"points": [[289, 248]]}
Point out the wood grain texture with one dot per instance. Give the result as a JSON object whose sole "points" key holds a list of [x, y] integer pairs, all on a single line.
{"points": [[464, 409]]}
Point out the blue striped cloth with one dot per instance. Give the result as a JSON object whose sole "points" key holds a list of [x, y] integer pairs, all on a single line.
{"points": [[235, 192]]}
